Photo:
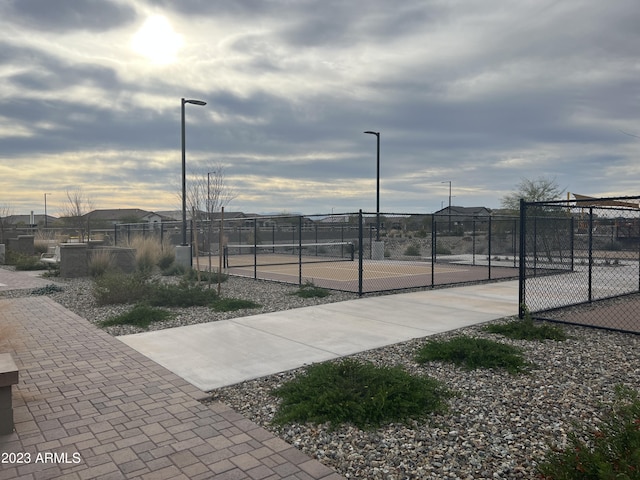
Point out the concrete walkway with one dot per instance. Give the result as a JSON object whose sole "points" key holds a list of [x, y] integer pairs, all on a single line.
{"points": [[212, 355]]}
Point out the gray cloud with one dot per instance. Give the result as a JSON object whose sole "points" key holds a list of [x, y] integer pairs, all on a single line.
{"points": [[482, 96], [65, 15]]}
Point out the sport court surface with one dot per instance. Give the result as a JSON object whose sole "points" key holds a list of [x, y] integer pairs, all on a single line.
{"points": [[377, 275]]}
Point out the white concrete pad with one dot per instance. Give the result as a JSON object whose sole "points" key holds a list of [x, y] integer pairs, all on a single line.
{"points": [[226, 352]]}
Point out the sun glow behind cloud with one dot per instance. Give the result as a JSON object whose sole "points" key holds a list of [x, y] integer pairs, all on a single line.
{"points": [[157, 41]]}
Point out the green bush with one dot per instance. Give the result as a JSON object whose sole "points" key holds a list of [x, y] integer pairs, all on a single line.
{"points": [[166, 259], [174, 270], [442, 250], [526, 329], [192, 275], [232, 304], [116, 287], [359, 393], [140, 316], [309, 290], [47, 289], [412, 250], [473, 353], [610, 451], [24, 262], [185, 294]]}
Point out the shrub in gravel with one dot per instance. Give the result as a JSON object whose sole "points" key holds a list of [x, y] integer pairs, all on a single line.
{"points": [[472, 353], [184, 294], [309, 290], [100, 261], [412, 250], [526, 329], [358, 393], [24, 262], [232, 304], [610, 451], [140, 316], [116, 288], [47, 290]]}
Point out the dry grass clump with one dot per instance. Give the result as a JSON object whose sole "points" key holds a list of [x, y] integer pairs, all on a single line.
{"points": [[150, 252], [100, 261]]}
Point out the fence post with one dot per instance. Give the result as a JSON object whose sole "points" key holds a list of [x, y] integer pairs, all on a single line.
{"points": [[360, 252], [433, 250], [300, 250], [255, 248], [489, 248], [572, 243], [590, 253], [473, 242], [523, 258]]}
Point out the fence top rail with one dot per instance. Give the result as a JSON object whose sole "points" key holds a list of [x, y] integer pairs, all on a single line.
{"points": [[614, 203]]}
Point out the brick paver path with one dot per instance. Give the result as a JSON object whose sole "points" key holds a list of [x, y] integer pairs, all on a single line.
{"points": [[88, 406]]}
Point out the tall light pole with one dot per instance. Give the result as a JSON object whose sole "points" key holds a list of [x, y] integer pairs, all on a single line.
{"points": [[45, 209], [184, 171], [377, 134], [449, 182]]}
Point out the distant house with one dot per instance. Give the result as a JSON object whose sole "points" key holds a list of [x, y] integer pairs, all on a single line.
{"points": [[124, 215], [28, 220], [462, 217]]}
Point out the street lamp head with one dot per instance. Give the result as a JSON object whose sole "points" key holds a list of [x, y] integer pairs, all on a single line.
{"points": [[372, 133], [194, 102]]}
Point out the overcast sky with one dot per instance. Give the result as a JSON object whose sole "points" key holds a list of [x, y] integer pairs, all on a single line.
{"points": [[477, 93]]}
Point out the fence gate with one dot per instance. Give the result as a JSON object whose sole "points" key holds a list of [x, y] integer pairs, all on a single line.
{"points": [[580, 261]]}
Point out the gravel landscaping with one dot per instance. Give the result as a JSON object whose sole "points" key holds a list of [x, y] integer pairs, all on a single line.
{"points": [[498, 425]]}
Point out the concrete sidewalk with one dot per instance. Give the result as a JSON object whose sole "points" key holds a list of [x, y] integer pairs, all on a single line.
{"points": [[216, 354]]}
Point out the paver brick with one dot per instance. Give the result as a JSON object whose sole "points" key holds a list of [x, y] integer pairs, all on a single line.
{"points": [[83, 391]]}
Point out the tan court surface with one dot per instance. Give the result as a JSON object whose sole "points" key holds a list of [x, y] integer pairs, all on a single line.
{"points": [[376, 275]]}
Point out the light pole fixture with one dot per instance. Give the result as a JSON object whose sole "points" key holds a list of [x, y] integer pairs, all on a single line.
{"points": [[184, 171], [449, 182], [377, 134], [45, 209]]}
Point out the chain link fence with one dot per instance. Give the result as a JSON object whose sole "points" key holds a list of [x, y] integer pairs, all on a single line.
{"points": [[580, 261], [347, 252]]}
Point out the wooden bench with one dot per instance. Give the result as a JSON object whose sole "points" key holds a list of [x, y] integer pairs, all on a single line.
{"points": [[52, 255], [8, 377]]}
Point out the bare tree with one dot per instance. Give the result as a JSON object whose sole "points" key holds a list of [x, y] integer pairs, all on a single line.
{"points": [[539, 190], [208, 191], [78, 204], [5, 211]]}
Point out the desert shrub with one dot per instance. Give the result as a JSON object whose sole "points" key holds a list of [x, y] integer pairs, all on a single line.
{"points": [[526, 329], [166, 259], [40, 246], [100, 261], [23, 262], [140, 316], [442, 249], [192, 274], [148, 252], [609, 451], [115, 287], [473, 353], [310, 290], [47, 289], [175, 270], [232, 304], [184, 294], [359, 393], [412, 250]]}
